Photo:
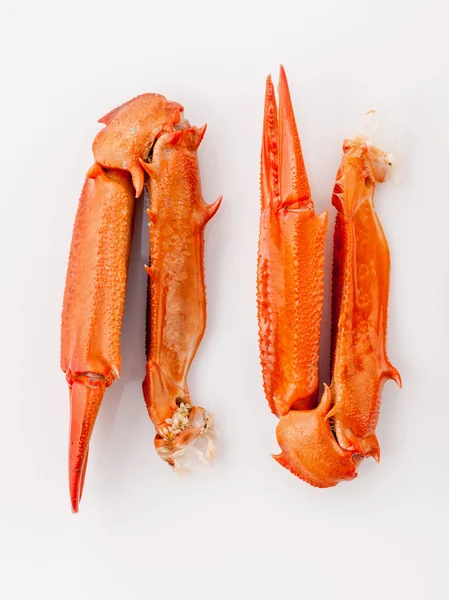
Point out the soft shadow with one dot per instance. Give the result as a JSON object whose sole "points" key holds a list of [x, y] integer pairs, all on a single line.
{"points": [[133, 327], [326, 321], [134, 320], [113, 448]]}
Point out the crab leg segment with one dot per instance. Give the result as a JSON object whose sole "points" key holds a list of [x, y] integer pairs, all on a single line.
{"points": [[361, 281], [177, 298], [290, 275], [96, 276]]}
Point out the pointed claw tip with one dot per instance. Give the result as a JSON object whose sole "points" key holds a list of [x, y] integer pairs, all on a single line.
{"points": [[393, 373], [76, 483], [216, 205], [86, 395], [374, 453], [211, 209], [149, 168], [75, 492], [398, 379], [293, 182], [201, 134], [281, 459], [137, 177], [282, 77]]}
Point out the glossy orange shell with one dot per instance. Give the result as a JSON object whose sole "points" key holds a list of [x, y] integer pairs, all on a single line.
{"points": [[95, 288], [361, 281], [177, 295], [321, 444], [290, 278], [94, 296]]}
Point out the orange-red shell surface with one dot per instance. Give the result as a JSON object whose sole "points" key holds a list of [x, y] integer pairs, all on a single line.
{"points": [[95, 289], [177, 298], [321, 444]]}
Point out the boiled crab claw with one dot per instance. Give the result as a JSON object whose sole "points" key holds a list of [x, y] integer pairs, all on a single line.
{"points": [[146, 137], [94, 295], [322, 444]]}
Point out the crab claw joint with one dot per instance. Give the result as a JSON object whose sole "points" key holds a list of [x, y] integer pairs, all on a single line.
{"points": [[309, 448]]}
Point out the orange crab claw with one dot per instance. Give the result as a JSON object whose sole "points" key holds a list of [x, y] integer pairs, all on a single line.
{"points": [[322, 445], [95, 288]]}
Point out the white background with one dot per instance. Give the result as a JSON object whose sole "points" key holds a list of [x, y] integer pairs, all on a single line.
{"points": [[244, 527]]}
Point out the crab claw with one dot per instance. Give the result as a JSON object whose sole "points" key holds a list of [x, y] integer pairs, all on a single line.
{"points": [[96, 279], [290, 262], [309, 448]]}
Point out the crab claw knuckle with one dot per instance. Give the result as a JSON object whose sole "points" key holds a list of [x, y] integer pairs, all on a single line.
{"points": [[130, 132]]}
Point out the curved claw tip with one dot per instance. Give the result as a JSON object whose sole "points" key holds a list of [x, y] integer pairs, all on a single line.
{"points": [[211, 209], [376, 456], [75, 504], [138, 178], [396, 377], [76, 483]]}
